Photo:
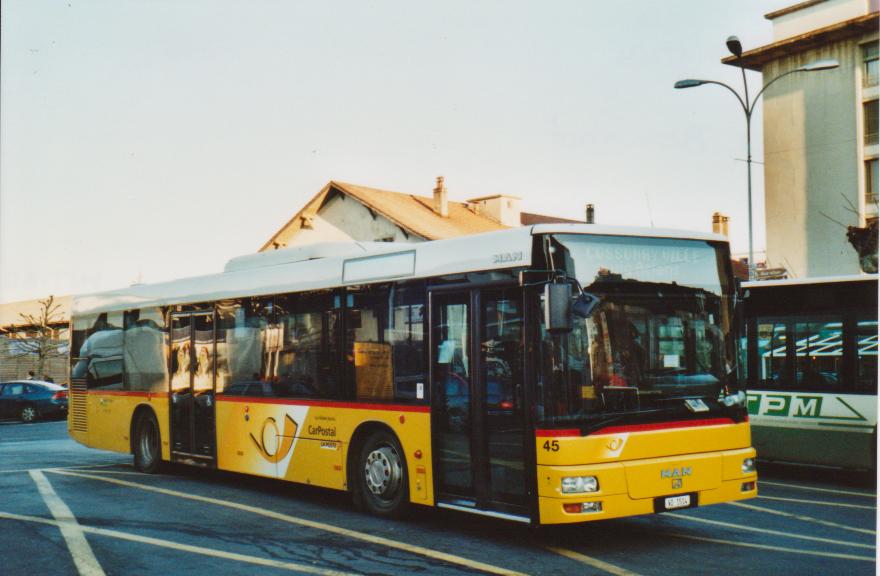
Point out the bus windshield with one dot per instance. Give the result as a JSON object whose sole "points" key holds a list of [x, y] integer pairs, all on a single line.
{"points": [[659, 336]]}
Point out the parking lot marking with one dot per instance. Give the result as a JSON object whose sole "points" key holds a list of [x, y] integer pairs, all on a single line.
{"points": [[185, 547], [594, 562], [83, 557], [776, 548], [802, 517], [378, 540], [813, 489], [817, 502], [775, 532]]}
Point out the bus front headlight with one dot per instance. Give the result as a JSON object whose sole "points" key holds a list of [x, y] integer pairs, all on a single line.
{"points": [[579, 484], [748, 465]]}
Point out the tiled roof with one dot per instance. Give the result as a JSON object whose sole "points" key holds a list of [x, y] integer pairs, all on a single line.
{"points": [[415, 214]]}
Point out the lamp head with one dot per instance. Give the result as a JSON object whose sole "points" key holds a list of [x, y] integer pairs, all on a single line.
{"points": [[689, 83], [734, 45], [820, 65]]}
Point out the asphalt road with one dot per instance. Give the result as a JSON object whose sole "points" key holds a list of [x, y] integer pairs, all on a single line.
{"points": [[66, 509]]}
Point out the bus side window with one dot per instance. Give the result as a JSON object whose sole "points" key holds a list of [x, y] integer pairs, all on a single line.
{"points": [[308, 357], [241, 353], [866, 350], [819, 353], [772, 354], [145, 368], [103, 351], [367, 353], [406, 334]]}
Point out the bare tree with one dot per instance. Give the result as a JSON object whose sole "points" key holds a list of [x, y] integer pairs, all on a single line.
{"points": [[39, 337], [863, 239]]}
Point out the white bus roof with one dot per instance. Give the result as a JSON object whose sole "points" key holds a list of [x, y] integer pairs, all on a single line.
{"points": [[329, 265], [810, 281]]}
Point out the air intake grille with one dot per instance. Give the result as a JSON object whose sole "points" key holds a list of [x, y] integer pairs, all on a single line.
{"points": [[79, 405]]}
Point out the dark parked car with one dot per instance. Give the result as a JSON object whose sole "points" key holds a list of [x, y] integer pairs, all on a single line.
{"points": [[28, 400]]}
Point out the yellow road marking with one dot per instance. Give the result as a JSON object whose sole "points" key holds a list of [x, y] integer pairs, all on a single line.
{"points": [[594, 562], [818, 502], [802, 517], [184, 547], [378, 540], [811, 488], [774, 532], [83, 557], [776, 548]]}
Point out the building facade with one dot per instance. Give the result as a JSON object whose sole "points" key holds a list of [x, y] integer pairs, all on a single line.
{"points": [[820, 134], [20, 338]]}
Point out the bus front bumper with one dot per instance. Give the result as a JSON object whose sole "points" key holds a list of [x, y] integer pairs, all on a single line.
{"points": [[623, 490]]}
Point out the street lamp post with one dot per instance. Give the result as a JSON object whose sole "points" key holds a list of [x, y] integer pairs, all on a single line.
{"points": [[735, 48]]}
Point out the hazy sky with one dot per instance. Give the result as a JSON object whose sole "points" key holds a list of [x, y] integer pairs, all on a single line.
{"points": [[157, 139]]}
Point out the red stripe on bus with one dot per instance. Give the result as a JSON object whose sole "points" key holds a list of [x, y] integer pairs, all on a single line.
{"points": [[99, 392], [556, 433], [663, 426], [323, 403]]}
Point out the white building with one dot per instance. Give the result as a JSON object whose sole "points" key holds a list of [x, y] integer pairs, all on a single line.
{"points": [[820, 133]]}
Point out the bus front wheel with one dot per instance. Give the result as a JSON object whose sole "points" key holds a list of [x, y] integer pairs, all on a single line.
{"points": [[382, 484], [147, 445]]}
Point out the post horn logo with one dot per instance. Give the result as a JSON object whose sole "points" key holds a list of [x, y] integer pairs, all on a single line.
{"points": [[269, 446]]}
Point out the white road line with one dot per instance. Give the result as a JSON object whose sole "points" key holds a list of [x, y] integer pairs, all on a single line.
{"points": [[802, 517], [817, 502], [775, 532], [378, 540], [776, 548], [124, 473], [84, 467], [83, 557], [594, 562], [813, 489], [185, 547]]}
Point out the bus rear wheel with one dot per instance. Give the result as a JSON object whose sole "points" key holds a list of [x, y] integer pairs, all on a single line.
{"points": [[382, 486], [147, 444]]}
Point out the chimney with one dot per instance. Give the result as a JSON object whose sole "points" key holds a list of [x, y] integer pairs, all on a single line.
{"points": [[591, 214], [719, 223], [441, 203]]}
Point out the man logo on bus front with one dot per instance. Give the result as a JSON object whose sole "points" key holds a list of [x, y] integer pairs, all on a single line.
{"points": [[268, 444]]}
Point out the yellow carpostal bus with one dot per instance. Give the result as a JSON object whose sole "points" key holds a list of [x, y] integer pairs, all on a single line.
{"points": [[548, 374]]}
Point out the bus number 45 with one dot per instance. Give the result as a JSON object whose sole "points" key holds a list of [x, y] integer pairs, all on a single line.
{"points": [[551, 446]]}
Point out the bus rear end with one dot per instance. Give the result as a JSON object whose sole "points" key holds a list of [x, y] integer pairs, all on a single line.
{"points": [[638, 404]]}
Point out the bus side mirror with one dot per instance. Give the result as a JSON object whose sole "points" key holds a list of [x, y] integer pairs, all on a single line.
{"points": [[585, 305], [557, 307]]}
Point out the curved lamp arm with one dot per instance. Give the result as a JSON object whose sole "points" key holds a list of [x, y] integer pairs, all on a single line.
{"points": [[695, 82], [767, 85]]}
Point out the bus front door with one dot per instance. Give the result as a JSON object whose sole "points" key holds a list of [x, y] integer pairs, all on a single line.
{"points": [[192, 388], [479, 419]]}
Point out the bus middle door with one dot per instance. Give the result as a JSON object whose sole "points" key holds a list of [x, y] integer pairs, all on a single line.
{"points": [[192, 388], [479, 418]]}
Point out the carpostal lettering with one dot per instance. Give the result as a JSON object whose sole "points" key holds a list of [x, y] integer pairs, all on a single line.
{"points": [[321, 431]]}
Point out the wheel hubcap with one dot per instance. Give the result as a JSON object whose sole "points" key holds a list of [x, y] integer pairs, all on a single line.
{"points": [[28, 414], [383, 472], [148, 442]]}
